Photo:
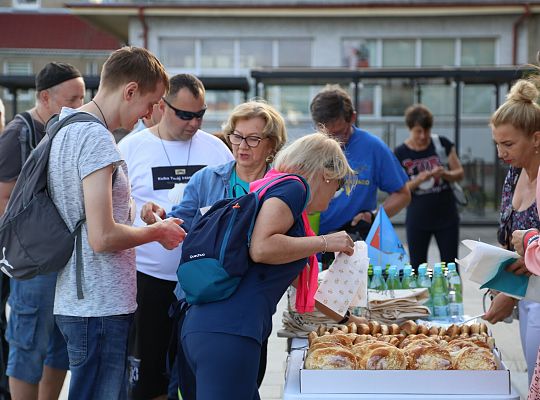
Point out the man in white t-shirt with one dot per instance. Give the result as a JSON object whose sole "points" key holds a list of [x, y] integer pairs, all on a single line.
{"points": [[88, 177], [161, 160]]}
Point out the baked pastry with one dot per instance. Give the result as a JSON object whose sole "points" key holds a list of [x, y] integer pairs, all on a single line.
{"points": [[341, 339], [423, 329], [474, 358], [453, 330], [483, 328], [312, 335], [420, 343], [363, 329], [363, 349], [411, 338], [465, 330], [363, 338], [429, 358], [374, 327], [352, 327], [324, 345], [385, 358], [394, 329], [330, 358], [434, 330], [410, 327], [475, 328], [384, 329]]}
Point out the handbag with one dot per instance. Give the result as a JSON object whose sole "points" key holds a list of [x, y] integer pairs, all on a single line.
{"points": [[459, 194]]}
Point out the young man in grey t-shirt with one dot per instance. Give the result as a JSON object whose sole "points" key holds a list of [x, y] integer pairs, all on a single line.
{"points": [[81, 164]]}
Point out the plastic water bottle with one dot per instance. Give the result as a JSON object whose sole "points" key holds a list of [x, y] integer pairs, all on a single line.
{"points": [[392, 281], [439, 293], [377, 282], [455, 292], [424, 281], [408, 281]]}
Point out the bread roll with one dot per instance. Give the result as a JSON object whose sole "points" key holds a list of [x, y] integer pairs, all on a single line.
{"points": [[474, 358], [423, 329], [312, 335], [352, 327], [363, 329], [410, 327], [363, 349], [453, 330], [394, 329], [330, 358], [374, 327]]}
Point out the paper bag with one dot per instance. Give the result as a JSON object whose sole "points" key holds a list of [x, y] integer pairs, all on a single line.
{"points": [[486, 266], [345, 281]]}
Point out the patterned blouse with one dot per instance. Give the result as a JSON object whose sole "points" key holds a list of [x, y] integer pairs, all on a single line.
{"points": [[510, 219]]}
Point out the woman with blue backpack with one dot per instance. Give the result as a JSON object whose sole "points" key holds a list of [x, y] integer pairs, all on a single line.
{"points": [[221, 340]]}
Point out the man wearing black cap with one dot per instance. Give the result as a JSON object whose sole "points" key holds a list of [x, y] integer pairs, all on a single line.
{"points": [[38, 359]]}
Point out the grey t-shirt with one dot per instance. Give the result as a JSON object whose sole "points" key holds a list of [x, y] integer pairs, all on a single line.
{"points": [[108, 279]]}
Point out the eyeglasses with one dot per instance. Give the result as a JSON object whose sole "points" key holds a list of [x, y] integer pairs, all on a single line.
{"points": [[252, 140], [186, 115]]}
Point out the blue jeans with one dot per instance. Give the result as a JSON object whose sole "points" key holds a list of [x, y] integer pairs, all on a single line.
{"points": [[97, 350], [33, 337]]}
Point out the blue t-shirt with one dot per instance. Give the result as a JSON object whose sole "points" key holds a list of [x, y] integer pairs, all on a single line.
{"points": [[248, 312], [376, 168]]}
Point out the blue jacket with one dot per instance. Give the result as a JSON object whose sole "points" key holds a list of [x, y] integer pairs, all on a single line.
{"points": [[205, 187]]}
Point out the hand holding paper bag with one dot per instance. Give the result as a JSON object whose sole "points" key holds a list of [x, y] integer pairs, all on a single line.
{"points": [[345, 283], [487, 265]]}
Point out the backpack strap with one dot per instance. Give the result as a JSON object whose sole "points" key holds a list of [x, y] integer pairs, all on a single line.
{"points": [[27, 136], [262, 190], [53, 126], [439, 149]]}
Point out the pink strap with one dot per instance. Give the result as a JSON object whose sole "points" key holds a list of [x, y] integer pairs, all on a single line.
{"points": [[308, 278]]}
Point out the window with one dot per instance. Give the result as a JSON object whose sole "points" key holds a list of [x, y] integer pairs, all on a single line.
{"points": [[294, 53], [478, 99], [477, 52], [255, 53], [19, 68], [439, 98], [217, 54], [438, 52], [359, 53], [26, 3], [177, 53], [399, 53], [396, 97]]}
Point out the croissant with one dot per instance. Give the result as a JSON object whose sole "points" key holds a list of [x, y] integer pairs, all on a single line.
{"points": [[330, 358], [429, 358], [385, 358], [475, 358]]}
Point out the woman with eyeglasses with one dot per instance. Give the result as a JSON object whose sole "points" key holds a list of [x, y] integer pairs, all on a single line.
{"points": [[516, 133]]}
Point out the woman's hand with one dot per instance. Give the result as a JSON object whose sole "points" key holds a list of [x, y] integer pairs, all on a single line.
{"points": [[517, 241], [340, 242], [519, 268], [501, 307], [438, 172], [149, 211], [170, 233]]}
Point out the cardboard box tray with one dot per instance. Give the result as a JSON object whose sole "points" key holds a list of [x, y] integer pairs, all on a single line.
{"points": [[406, 381]]}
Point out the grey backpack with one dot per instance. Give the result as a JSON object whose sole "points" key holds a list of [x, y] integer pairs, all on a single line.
{"points": [[34, 239]]}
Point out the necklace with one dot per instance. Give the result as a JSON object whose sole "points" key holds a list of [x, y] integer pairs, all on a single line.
{"points": [[165, 150], [41, 119], [101, 112]]}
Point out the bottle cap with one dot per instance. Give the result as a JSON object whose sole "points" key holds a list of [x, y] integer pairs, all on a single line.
{"points": [[451, 266]]}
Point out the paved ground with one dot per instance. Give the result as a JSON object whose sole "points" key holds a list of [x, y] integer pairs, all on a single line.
{"points": [[506, 335]]}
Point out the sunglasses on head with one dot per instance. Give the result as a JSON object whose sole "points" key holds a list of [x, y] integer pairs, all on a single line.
{"points": [[185, 115]]}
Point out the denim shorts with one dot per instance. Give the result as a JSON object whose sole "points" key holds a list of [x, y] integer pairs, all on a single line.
{"points": [[33, 337]]}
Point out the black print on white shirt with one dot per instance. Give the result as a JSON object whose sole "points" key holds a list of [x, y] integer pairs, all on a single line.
{"points": [[166, 177]]}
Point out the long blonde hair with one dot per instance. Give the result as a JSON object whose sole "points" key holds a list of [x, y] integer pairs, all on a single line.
{"points": [[312, 155]]}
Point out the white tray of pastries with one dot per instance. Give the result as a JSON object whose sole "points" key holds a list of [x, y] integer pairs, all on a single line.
{"points": [[410, 358]]}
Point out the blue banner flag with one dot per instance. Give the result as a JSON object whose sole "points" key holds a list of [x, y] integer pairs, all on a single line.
{"points": [[384, 246]]}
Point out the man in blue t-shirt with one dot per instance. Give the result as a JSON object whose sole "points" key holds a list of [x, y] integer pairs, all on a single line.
{"points": [[375, 164]]}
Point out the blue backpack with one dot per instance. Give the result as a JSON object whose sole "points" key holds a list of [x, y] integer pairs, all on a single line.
{"points": [[215, 252]]}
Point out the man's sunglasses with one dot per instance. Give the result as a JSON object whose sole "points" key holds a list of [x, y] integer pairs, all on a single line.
{"points": [[186, 115]]}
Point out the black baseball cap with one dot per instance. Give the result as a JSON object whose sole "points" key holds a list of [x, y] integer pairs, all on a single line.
{"points": [[55, 73]]}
